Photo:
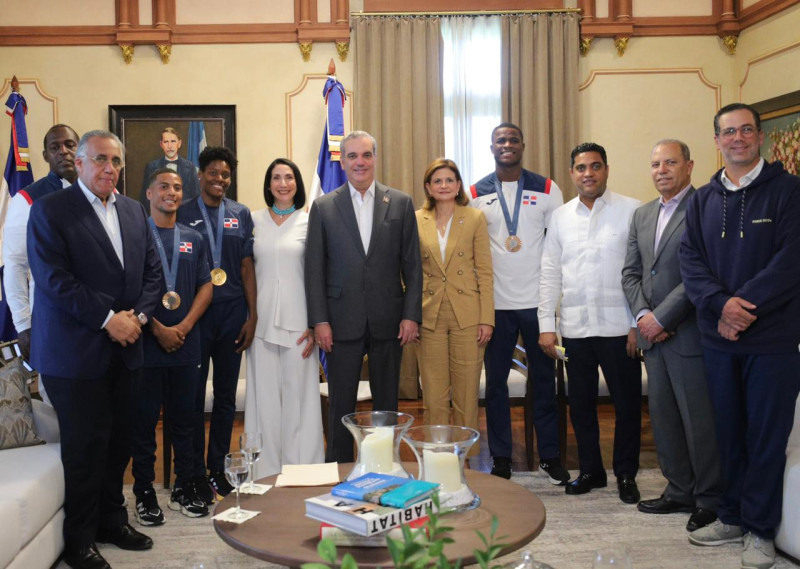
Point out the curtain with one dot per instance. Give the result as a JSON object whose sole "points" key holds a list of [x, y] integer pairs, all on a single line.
{"points": [[471, 86], [398, 98], [540, 89]]}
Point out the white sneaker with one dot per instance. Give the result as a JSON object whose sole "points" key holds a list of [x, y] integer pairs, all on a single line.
{"points": [[759, 553], [716, 533]]}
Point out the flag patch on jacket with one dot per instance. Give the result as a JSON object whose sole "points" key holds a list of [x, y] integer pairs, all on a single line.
{"points": [[231, 223], [185, 247], [528, 199]]}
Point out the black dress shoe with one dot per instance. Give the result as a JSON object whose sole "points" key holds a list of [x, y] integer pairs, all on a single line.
{"points": [[700, 518], [628, 490], [663, 505], [85, 558], [502, 467], [586, 482], [125, 537]]}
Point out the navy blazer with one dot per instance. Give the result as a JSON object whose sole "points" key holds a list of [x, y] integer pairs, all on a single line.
{"points": [[79, 279]]}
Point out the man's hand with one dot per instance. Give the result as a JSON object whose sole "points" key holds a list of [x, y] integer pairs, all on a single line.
{"points": [[24, 342], [547, 342], [727, 331], [124, 327], [409, 332], [649, 327], [246, 335], [170, 338], [735, 313], [323, 336], [308, 338], [484, 334], [630, 345]]}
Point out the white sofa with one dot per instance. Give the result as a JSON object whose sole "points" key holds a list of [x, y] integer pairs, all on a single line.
{"points": [[32, 498], [788, 537]]}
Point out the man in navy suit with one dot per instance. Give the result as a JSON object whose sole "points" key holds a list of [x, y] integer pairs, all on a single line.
{"points": [[171, 143], [98, 280]]}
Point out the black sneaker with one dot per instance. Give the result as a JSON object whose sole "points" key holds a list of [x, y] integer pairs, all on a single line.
{"points": [[219, 484], [502, 467], [148, 512], [556, 474], [203, 489], [186, 501]]}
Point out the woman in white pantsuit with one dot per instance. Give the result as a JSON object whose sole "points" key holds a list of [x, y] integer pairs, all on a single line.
{"points": [[282, 400]]}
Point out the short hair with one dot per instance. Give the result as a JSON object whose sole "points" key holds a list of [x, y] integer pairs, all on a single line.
{"points": [[299, 195], [683, 146], [438, 164], [736, 107], [160, 171], [54, 127], [84, 141], [587, 147], [508, 125], [169, 130], [211, 153], [358, 134]]}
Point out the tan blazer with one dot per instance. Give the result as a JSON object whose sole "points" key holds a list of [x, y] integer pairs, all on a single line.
{"points": [[466, 273]]}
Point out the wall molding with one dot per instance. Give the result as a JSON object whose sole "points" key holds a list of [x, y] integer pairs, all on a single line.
{"points": [[763, 57], [6, 87]]}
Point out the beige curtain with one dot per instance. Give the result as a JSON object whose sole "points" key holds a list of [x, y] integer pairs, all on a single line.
{"points": [[540, 89], [398, 98]]}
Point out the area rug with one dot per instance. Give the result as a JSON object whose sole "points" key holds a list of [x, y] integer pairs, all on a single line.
{"points": [[576, 527]]}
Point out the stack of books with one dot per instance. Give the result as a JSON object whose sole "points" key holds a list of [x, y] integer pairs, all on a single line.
{"points": [[359, 512]]}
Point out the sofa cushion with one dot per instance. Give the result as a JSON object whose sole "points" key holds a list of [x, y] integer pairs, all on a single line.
{"points": [[10, 538], [16, 415], [33, 479]]}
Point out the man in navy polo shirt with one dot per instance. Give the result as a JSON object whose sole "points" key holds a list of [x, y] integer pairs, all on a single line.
{"points": [[228, 326], [171, 354]]}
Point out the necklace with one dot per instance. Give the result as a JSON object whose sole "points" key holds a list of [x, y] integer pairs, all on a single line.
{"points": [[282, 212]]}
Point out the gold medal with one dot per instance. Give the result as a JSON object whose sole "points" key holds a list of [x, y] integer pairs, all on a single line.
{"points": [[171, 300], [218, 276], [513, 243]]}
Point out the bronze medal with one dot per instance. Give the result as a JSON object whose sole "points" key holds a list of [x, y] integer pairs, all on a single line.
{"points": [[218, 276], [513, 243], [171, 300]]}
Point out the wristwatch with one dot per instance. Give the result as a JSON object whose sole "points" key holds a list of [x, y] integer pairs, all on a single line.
{"points": [[142, 318]]}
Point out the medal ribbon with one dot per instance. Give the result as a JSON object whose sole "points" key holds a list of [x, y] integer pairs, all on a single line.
{"points": [[511, 224], [216, 242], [171, 271]]}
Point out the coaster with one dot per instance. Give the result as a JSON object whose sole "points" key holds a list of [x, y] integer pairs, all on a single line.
{"points": [[255, 489], [226, 516]]}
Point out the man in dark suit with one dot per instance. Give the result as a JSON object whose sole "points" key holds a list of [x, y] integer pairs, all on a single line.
{"points": [[171, 143], [680, 406], [363, 285], [98, 280]]}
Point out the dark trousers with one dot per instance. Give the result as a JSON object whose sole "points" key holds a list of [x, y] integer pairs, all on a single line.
{"points": [[94, 417], [176, 387], [754, 400], [508, 325], [219, 328], [623, 376], [344, 372]]}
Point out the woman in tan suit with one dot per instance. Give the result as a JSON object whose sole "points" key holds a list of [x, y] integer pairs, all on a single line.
{"points": [[457, 299]]}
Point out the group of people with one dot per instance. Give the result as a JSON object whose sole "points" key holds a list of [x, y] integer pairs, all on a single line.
{"points": [[702, 281]]}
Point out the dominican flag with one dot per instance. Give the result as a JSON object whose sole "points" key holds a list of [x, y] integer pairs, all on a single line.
{"points": [[17, 175], [230, 223], [528, 199], [197, 142], [329, 174], [185, 247]]}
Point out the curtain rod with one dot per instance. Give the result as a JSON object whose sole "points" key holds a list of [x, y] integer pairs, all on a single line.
{"points": [[469, 12]]}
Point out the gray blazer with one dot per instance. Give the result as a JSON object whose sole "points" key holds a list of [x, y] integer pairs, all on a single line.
{"points": [[349, 287], [652, 279]]}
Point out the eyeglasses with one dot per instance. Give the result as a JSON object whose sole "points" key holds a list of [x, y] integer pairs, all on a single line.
{"points": [[746, 130], [101, 160]]}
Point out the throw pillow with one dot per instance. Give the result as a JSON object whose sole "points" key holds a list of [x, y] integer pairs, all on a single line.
{"points": [[16, 413]]}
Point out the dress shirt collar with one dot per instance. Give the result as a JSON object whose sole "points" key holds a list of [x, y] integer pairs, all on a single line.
{"points": [[676, 199], [370, 191], [745, 180], [91, 197], [607, 199]]}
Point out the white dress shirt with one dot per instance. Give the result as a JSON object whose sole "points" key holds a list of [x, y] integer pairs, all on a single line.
{"points": [[745, 180], [364, 208], [584, 253]]}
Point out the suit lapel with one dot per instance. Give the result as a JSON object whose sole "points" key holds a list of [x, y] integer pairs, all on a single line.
{"points": [[127, 227], [648, 229], [86, 214], [674, 222], [455, 234], [431, 237], [382, 201], [344, 203]]}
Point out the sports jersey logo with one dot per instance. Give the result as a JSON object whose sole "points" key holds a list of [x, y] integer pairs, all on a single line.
{"points": [[231, 223], [185, 247], [528, 199]]}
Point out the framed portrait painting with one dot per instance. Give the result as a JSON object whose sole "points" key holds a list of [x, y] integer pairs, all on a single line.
{"points": [[780, 121], [140, 128]]}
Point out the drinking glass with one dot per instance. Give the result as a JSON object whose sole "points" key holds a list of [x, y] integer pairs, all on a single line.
{"points": [[612, 557], [236, 470], [250, 444]]}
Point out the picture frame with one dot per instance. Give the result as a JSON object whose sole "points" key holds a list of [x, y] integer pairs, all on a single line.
{"points": [[139, 127], [780, 122]]}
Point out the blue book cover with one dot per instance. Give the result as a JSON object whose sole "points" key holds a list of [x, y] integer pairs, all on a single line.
{"points": [[385, 489]]}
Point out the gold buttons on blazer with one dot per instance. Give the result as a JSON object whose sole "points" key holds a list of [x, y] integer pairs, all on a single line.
{"points": [[444, 279], [460, 272], [430, 292], [461, 253], [460, 291]]}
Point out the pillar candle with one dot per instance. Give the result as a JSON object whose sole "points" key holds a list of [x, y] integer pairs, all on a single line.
{"points": [[444, 468], [377, 450]]}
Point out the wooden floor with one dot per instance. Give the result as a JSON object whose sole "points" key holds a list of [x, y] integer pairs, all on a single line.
{"points": [[483, 461]]}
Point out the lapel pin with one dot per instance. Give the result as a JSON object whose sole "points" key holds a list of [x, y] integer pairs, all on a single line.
{"points": [[385, 199], [461, 220]]}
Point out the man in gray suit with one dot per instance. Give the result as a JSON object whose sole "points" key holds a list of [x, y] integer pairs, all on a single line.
{"points": [[363, 281], [680, 407]]}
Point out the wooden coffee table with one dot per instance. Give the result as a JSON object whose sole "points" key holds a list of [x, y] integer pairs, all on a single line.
{"points": [[282, 533]]}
